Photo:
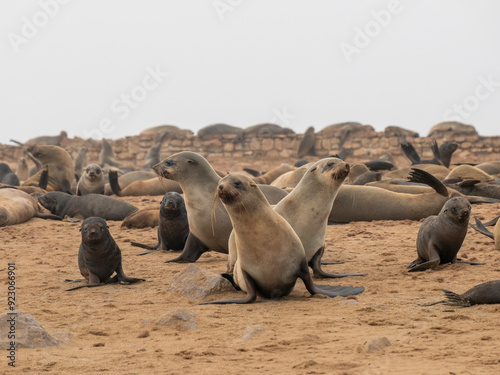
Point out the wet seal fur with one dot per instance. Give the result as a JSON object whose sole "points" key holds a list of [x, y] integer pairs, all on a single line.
{"points": [[99, 256], [92, 181], [440, 237], [108, 208], [173, 228], [270, 255], [482, 294]]}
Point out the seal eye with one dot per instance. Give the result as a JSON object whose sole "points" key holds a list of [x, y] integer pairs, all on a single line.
{"points": [[239, 185], [97, 171]]}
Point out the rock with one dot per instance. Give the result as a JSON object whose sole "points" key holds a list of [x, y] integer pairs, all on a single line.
{"points": [[196, 283], [348, 302], [180, 319], [29, 333], [251, 331], [376, 343]]}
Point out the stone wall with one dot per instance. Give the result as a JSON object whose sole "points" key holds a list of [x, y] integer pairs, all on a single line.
{"points": [[364, 145]]}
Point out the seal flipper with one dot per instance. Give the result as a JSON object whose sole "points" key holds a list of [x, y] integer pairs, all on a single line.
{"points": [[191, 252], [315, 264], [456, 299], [74, 281], [43, 181], [327, 290], [249, 298], [423, 177], [120, 275], [481, 228], [113, 183], [410, 152], [93, 282], [422, 266], [467, 262], [66, 187], [230, 278]]}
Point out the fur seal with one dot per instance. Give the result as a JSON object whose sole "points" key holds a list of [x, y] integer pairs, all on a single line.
{"points": [[173, 228], [308, 206], [306, 146], [143, 218], [452, 126], [173, 132], [482, 294], [209, 222], [492, 167], [438, 171], [153, 186], [490, 189], [99, 256], [397, 131], [107, 155], [495, 236], [218, 129], [442, 154], [153, 154], [271, 175], [260, 130], [81, 160], [91, 182], [270, 255], [47, 140], [7, 176], [126, 179], [440, 237], [22, 169], [59, 164], [108, 208], [468, 171]]}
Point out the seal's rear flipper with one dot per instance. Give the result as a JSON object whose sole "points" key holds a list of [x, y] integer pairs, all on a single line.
{"points": [[491, 222], [471, 263], [74, 281], [315, 264], [455, 299], [193, 249], [482, 229], [423, 177], [410, 152], [422, 266], [326, 263], [66, 187], [113, 183], [230, 278], [249, 298], [143, 246], [252, 172], [43, 215], [339, 290]]}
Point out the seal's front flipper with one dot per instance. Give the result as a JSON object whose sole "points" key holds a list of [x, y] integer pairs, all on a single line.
{"points": [[250, 297], [414, 267], [191, 252]]}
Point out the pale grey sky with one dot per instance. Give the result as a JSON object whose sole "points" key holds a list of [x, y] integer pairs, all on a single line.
{"points": [[112, 68]]}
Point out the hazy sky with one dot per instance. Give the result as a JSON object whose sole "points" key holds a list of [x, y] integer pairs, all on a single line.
{"points": [[112, 68]]}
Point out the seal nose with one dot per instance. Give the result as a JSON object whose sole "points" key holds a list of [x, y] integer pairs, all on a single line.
{"points": [[221, 187], [347, 166]]}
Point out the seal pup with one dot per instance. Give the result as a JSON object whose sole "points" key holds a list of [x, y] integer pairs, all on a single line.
{"points": [[209, 223], [173, 228], [270, 255], [482, 294], [16, 207], [7, 176], [481, 228], [308, 206], [440, 237], [99, 256], [92, 181], [108, 208]]}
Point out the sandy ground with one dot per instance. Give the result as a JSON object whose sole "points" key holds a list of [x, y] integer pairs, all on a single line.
{"points": [[299, 334]]}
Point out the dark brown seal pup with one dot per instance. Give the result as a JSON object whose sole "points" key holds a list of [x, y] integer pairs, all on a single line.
{"points": [[99, 256], [440, 237], [108, 208], [92, 181], [482, 294], [270, 255], [173, 229]]}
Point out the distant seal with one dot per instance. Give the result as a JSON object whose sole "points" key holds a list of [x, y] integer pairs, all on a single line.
{"points": [[482, 294], [153, 154], [173, 228], [306, 146], [81, 160], [209, 222], [260, 130], [92, 181], [452, 126], [99, 256], [60, 166], [270, 255], [153, 186], [172, 131], [468, 171], [108, 208], [442, 154], [308, 206], [271, 175], [440, 237], [492, 167], [7, 176], [218, 129], [397, 131], [47, 140], [22, 169], [107, 155], [16, 207]]}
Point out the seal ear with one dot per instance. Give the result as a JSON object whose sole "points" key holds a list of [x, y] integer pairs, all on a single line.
{"points": [[312, 170], [253, 185], [191, 161]]}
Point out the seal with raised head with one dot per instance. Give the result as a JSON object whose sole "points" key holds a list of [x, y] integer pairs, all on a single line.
{"points": [[99, 256], [209, 223], [92, 181], [173, 228], [270, 255], [440, 237], [308, 206], [85, 206], [482, 294]]}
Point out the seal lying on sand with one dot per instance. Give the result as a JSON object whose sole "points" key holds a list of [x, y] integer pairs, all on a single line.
{"points": [[482, 294], [99, 256], [16, 207], [174, 227], [440, 237], [270, 255], [108, 208]]}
